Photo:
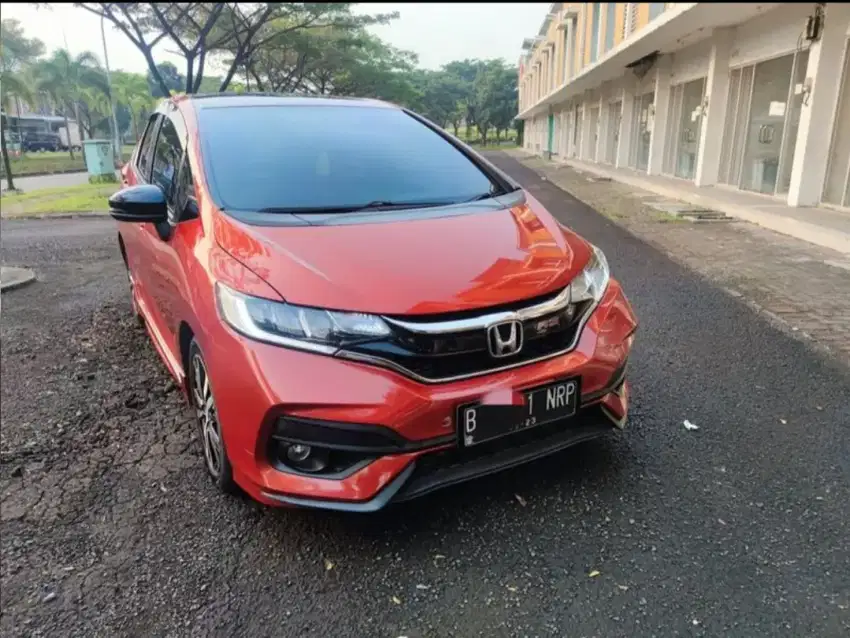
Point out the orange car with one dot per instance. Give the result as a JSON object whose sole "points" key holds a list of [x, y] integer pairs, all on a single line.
{"points": [[359, 307]]}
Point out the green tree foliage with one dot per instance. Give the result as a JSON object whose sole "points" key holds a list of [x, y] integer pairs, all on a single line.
{"points": [[169, 76], [74, 83], [16, 53], [495, 97], [230, 32]]}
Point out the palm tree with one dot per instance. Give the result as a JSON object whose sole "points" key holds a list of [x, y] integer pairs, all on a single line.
{"points": [[65, 77], [13, 86], [131, 90]]}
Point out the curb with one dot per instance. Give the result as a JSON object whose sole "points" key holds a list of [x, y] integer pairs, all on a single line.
{"points": [[69, 215], [44, 173], [13, 277]]}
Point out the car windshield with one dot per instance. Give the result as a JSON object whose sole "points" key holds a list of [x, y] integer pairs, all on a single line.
{"points": [[324, 158]]}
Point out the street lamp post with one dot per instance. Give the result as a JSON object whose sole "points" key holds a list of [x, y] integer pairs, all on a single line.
{"points": [[115, 135]]}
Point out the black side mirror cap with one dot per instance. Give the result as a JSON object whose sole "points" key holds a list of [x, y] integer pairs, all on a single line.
{"points": [[141, 203]]}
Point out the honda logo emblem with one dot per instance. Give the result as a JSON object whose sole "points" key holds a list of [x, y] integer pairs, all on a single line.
{"points": [[504, 339]]}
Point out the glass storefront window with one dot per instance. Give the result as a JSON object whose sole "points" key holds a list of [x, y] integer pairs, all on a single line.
{"points": [[642, 131], [762, 118], [837, 186], [685, 122]]}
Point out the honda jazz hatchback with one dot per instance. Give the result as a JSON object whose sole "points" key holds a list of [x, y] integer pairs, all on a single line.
{"points": [[360, 308]]}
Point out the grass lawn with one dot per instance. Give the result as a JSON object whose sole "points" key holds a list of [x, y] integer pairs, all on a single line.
{"points": [[50, 162], [471, 133], [65, 199]]}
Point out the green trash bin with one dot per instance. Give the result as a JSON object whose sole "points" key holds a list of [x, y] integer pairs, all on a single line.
{"points": [[100, 159]]}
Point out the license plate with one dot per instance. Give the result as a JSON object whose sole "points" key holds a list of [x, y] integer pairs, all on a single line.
{"points": [[479, 423]]}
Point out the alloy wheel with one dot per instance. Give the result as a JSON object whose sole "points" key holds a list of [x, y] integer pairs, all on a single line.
{"points": [[207, 417]]}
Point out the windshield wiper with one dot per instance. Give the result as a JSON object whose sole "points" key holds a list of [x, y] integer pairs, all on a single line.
{"points": [[378, 204], [478, 198]]}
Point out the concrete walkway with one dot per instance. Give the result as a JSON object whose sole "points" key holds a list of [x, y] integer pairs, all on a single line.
{"points": [[50, 181], [13, 277], [57, 180], [821, 226]]}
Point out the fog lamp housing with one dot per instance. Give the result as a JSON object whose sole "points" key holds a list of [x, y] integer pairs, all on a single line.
{"points": [[304, 458]]}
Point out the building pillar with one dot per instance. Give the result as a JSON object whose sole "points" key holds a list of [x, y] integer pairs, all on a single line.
{"points": [[817, 116], [624, 148], [601, 129], [584, 151], [659, 119], [712, 127], [564, 143]]}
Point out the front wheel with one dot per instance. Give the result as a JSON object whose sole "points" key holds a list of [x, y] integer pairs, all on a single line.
{"points": [[135, 305], [215, 456]]}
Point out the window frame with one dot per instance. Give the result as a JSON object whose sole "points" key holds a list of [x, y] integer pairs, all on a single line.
{"points": [[190, 206], [142, 151]]}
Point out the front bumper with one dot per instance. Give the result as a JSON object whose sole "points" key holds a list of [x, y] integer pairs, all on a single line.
{"points": [[435, 470], [255, 384]]}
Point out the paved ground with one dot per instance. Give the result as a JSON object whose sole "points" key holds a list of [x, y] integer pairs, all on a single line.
{"points": [[51, 181], [804, 286], [109, 527], [12, 277]]}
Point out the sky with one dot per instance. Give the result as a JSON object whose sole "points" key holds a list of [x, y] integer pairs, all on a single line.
{"points": [[438, 33]]}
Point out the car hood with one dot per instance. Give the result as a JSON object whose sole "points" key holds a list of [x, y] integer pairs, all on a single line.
{"points": [[414, 266]]}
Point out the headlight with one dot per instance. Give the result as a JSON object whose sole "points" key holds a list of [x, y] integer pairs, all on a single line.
{"points": [[590, 284], [281, 323]]}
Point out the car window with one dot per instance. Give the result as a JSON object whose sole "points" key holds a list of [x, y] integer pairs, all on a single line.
{"points": [[313, 157], [166, 158], [143, 158]]}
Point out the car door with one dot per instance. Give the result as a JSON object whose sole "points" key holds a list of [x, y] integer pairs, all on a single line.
{"points": [[171, 245], [133, 235]]}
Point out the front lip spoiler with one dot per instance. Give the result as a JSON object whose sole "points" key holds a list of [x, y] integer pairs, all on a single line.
{"points": [[401, 488], [373, 505]]}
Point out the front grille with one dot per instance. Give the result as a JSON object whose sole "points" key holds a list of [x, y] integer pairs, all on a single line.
{"points": [[464, 354]]}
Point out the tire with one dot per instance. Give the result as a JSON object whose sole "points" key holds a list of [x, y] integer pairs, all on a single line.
{"points": [[136, 314], [213, 452]]}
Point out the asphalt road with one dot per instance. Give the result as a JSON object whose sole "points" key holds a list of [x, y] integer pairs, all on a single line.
{"points": [[740, 528]]}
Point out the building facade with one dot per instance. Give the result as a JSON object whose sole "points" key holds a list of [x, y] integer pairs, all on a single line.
{"points": [[745, 96]]}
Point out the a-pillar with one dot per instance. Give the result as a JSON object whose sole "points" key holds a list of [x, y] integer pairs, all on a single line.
{"points": [[714, 119], [659, 121], [814, 134], [624, 147]]}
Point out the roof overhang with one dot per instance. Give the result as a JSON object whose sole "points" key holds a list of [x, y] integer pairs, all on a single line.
{"points": [[675, 29], [529, 43]]}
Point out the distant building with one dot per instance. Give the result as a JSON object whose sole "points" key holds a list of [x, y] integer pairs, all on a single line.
{"points": [[748, 96]]}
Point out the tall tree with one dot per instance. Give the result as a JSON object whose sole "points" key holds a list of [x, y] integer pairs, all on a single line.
{"points": [[440, 95], [168, 75], [11, 87], [200, 30], [16, 53], [65, 78], [466, 71], [495, 97], [291, 56], [132, 92]]}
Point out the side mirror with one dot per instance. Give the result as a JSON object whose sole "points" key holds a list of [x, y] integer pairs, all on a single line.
{"points": [[141, 203]]}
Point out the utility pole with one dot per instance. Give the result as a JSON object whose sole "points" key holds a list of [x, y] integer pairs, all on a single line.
{"points": [[115, 134]]}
